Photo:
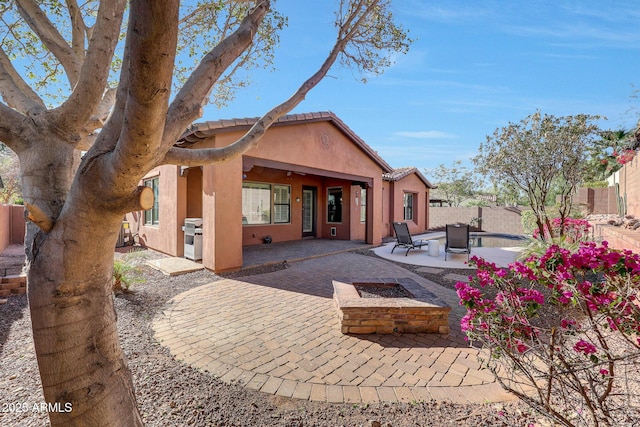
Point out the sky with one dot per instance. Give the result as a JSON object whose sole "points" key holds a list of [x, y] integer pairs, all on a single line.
{"points": [[474, 67]]}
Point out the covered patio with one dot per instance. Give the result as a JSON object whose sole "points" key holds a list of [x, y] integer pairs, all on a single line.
{"points": [[298, 250]]}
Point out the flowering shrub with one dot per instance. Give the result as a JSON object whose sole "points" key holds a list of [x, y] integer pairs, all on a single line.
{"points": [[573, 229], [563, 331], [625, 156], [567, 233]]}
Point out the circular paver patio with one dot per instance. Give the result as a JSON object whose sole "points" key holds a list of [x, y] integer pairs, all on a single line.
{"points": [[279, 333]]}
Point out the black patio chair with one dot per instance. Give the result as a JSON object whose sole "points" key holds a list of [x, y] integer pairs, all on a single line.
{"points": [[458, 241], [404, 239]]}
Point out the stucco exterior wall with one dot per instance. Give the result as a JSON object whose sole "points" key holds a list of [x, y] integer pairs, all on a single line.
{"points": [[194, 192], [319, 145], [12, 225], [387, 206], [167, 235], [222, 215], [414, 185], [310, 154]]}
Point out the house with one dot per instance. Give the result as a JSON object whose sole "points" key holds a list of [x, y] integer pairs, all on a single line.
{"points": [[406, 191], [309, 176]]}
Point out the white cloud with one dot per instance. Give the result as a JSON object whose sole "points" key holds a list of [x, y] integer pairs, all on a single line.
{"points": [[426, 134]]}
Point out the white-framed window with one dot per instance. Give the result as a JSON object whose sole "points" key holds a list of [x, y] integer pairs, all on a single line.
{"points": [[260, 200], [363, 205], [334, 205], [281, 204], [152, 216], [408, 206]]}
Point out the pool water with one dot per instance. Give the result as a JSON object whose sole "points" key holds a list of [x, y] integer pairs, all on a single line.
{"points": [[493, 240]]}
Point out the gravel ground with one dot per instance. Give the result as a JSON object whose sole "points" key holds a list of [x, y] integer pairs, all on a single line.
{"points": [[172, 394]]}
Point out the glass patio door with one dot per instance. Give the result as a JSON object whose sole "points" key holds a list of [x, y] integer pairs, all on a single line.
{"points": [[308, 211]]}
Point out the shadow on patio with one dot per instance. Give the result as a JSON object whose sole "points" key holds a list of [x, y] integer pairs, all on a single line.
{"points": [[273, 253]]}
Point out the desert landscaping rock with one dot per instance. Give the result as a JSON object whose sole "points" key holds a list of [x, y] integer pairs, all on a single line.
{"points": [[171, 393]]}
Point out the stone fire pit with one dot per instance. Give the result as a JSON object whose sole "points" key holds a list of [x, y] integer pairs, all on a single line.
{"points": [[421, 312]]}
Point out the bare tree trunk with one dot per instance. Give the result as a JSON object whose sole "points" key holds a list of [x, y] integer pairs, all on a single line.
{"points": [[83, 369], [74, 328]]}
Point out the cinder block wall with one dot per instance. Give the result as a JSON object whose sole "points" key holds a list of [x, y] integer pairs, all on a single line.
{"points": [[502, 220], [630, 185], [585, 198], [441, 216], [604, 200], [597, 200], [494, 219]]}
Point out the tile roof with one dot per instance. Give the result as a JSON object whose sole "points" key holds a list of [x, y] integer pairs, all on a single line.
{"points": [[203, 130], [399, 173]]}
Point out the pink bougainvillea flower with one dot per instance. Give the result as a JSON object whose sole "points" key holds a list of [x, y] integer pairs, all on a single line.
{"points": [[467, 294], [531, 295], [466, 323], [565, 297], [585, 347], [626, 156], [521, 347], [567, 323]]}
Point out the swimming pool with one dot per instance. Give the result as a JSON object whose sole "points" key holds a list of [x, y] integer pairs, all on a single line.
{"points": [[493, 240]]}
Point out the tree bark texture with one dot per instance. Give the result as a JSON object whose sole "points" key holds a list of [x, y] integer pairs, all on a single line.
{"points": [[79, 356], [70, 296]]}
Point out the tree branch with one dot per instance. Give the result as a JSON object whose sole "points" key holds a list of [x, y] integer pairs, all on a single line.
{"points": [[151, 48], [11, 127], [139, 200], [187, 105], [15, 91], [49, 35], [199, 157], [87, 94], [110, 132], [78, 28], [100, 121], [102, 113], [39, 218]]}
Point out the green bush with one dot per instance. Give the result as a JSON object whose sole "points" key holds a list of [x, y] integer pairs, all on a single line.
{"points": [[575, 231], [595, 184], [125, 275]]}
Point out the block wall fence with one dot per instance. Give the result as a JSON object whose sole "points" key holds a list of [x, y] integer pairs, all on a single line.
{"points": [[629, 177], [605, 200], [493, 219], [12, 225]]}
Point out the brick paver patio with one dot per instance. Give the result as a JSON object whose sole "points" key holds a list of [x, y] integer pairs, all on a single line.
{"points": [[279, 333]]}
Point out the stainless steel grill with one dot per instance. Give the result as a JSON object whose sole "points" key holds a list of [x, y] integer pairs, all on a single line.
{"points": [[193, 238]]}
